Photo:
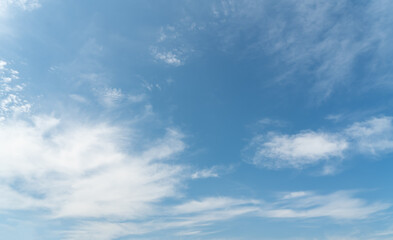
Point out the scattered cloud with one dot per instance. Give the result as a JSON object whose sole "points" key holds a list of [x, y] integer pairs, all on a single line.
{"points": [[173, 57], [172, 45], [88, 171], [11, 103], [110, 96], [301, 150], [76, 170], [92, 174]]}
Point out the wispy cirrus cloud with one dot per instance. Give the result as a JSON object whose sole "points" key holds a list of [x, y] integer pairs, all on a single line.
{"points": [[208, 204], [307, 148], [337, 205], [196, 216], [205, 173], [317, 40], [212, 172], [318, 44]]}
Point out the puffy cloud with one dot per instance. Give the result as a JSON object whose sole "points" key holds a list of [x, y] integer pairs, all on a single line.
{"points": [[298, 150], [308, 148]]}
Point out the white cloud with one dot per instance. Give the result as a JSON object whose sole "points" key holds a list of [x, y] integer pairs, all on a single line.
{"points": [[69, 168], [172, 57], [337, 205], [190, 216], [374, 135], [171, 47], [2, 64], [14, 104], [292, 195], [81, 170], [212, 172], [114, 97], [111, 96], [205, 173], [209, 204], [90, 171], [26, 5], [297, 151], [308, 148], [184, 216], [10, 101]]}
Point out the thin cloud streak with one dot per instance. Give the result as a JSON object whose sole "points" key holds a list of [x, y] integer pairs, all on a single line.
{"points": [[193, 215]]}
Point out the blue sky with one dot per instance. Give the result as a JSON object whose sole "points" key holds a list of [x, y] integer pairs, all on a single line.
{"points": [[196, 120]]}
